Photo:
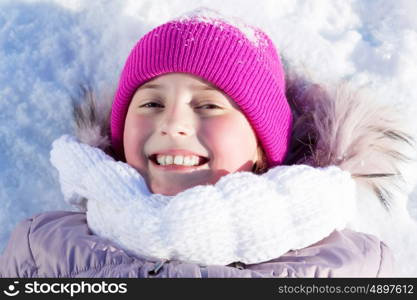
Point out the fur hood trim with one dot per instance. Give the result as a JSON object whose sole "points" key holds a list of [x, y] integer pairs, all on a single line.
{"points": [[332, 126]]}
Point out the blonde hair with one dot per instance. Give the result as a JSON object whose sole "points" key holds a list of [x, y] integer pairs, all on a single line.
{"points": [[261, 165]]}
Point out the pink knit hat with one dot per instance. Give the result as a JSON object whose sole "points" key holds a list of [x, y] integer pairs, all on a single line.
{"points": [[237, 58]]}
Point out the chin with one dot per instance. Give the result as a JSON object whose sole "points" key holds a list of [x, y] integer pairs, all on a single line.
{"points": [[178, 188], [168, 191]]}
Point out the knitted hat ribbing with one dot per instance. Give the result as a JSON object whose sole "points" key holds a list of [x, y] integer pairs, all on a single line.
{"points": [[240, 60]]}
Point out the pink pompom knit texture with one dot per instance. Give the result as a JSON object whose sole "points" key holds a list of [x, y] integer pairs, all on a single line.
{"points": [[246, 68]]}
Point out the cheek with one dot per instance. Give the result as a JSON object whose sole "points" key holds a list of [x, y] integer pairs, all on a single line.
{"points": [[134, 137], [232, 142]]}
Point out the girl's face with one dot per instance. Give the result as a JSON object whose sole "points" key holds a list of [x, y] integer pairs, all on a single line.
{"points": [[178, 119]]}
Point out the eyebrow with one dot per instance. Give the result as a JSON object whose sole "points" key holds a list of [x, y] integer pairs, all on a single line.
{"points": [[159, 86]]}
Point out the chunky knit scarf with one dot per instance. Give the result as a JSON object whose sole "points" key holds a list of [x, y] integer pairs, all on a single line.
{"points": [[243, 217]]}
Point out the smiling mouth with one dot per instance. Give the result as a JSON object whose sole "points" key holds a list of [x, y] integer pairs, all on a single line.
{"points": [[201, 161]]}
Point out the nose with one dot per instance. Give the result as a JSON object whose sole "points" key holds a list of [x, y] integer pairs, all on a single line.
{"points": [[176, 122]]}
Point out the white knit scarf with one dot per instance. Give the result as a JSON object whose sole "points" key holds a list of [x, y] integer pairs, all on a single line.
{"points": [[243, 217]]}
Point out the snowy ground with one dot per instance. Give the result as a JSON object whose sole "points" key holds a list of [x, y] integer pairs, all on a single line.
{"points": [[49, 48]]}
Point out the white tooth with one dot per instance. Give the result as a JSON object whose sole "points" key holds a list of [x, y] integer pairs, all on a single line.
{"points": [[160, 159], [168, 160], [188, 160], [178, 159]]}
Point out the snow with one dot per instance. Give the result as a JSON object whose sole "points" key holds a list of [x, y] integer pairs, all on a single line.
{"points": [[211, 16], [49, 48]]}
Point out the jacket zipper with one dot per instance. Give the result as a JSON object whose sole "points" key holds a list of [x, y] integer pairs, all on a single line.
{"points": [[157, 267]]}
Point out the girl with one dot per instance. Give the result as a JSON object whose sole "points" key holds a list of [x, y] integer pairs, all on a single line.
{"points": [[213, 164]]}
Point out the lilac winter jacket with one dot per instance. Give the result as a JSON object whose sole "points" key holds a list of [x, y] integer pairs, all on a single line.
{"points": [[60, 244]]}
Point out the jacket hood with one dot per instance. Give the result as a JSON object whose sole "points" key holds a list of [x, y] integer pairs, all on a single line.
{"points": [[333, 125]]}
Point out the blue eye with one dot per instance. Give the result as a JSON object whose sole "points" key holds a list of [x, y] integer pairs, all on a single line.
{"points": [[210, 106], [151, 104]]}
